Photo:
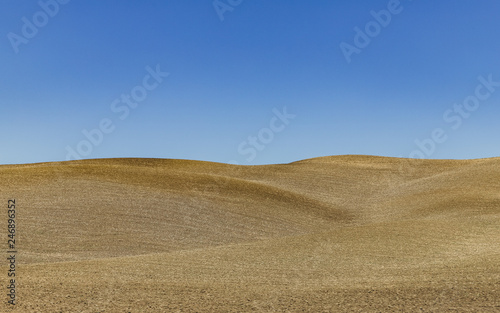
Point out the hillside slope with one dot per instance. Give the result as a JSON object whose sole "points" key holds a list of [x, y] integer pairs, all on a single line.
{"points": [[344, 233]]}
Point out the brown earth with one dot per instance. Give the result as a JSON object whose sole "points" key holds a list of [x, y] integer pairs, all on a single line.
{"points": [[332, 234]]}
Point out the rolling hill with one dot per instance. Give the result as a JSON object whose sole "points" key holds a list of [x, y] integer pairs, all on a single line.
{"points": [[332, 234]]}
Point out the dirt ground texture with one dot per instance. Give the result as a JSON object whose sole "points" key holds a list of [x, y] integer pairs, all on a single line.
{"points": [[332, 234]]}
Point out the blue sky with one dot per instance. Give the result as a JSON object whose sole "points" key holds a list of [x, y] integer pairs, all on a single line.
{"points": [[249, 82]]}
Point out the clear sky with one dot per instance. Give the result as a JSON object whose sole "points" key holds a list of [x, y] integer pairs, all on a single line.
{"points": [[249, 82]]}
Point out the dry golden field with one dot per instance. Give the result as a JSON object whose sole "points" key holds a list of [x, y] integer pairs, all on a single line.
{"points": [[332, 234]]}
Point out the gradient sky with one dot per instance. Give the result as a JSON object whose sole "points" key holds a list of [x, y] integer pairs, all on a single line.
{"points": [[227, 78]]}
